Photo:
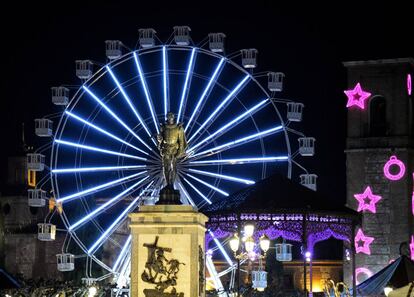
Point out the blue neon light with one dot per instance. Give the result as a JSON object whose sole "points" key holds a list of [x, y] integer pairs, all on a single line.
{"points": [[96, 149], [147, 95], [183, 96], [227, 177], [115, 116], [105, 205], [103, 131], [200, 100], [222, 104], [236, 121], [197, 191], [94, 189], [208, 185]]}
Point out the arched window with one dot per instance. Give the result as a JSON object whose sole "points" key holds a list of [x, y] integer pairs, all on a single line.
{"points": [[378, 116]]}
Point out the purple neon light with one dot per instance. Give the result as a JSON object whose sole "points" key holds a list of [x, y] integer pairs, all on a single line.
{"points": [[357, 96], [409, 84], [393, 161], [362, 243], [369, 205]]}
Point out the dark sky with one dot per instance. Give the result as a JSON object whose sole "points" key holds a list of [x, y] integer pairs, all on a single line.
{"points": [[307, 42]]}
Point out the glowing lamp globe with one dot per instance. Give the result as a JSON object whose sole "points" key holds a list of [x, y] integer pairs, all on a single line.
{"points": [[234, 243], [92, 291], [248, 230], [264, 242], [249, 244]]}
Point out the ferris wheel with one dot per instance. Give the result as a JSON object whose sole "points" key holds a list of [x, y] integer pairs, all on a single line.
{"points": [[104, 160]]}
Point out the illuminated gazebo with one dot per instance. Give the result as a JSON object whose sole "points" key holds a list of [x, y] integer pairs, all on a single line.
{"points": [[280, 208]]}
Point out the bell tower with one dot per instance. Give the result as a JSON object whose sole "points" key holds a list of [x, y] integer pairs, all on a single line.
{"points": [[380, 160]]}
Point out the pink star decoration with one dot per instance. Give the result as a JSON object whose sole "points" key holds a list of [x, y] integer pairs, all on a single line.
{"points": [[367, 200], [357, 97], [412, 247], [362, 243]]}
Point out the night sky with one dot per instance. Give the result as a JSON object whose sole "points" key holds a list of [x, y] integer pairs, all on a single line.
{"points": [[308, 43]]}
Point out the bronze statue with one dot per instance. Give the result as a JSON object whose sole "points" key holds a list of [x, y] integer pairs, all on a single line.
{"points": [[161, 272], [172, 144]]}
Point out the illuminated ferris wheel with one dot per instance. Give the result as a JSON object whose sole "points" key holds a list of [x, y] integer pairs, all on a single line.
{"points": [[104, 160]]}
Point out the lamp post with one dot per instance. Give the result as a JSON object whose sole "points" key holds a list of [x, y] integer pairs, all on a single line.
{"points": [[247, 252]]}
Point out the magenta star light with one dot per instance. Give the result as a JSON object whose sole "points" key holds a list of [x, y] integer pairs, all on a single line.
{"points": [[362, 243], [367, 200], [357, 96]]}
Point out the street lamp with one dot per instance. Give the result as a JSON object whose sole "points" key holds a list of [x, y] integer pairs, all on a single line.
{"points": [[249, 245]]}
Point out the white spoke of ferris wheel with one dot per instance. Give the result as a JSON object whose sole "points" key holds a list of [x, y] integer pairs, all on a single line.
{"points": [[165, 81], [221, 248], [94, 169], [216, 280], [116, 117], [206, 90], [208, 185], [237, 142], [231, 124], [125, 249], [128, 100], [222, 105], [96, 188], [105, 205], [147, 94], [116, 222], [72, 115], [97, 149], [197, 190], [226, 177], [239, 161], [185, 87], [187, 196]]}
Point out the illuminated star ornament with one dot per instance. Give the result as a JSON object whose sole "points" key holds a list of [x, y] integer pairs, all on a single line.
{"points": [[367, 200], [362, 243], [357, 97]]}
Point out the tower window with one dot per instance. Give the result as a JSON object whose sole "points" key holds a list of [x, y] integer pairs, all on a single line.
{"points": [[378, 116]]}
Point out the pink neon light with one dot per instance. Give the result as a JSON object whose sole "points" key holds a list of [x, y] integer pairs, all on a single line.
{"points": [[357, 97], [362, 270], [412, 198], [412, 203], [412, 247], [394, 161], [367, 195], [362, 243], [409, 85]]}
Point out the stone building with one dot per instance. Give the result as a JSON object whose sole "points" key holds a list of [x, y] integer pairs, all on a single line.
{"points": [[377, 130], [21, 253]]}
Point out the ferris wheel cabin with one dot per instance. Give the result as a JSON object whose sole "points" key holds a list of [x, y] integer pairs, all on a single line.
{"points": [[60, 95], [84, 69], [36, 197], [182, 35], [216, 42], [146, 37], [249, 58], [113, 49]]}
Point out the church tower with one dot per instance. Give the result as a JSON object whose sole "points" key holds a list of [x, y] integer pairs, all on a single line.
{"points": [[380, 160]]}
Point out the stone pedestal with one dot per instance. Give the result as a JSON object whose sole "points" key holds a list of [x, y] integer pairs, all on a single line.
{"points": [[167, 256]]}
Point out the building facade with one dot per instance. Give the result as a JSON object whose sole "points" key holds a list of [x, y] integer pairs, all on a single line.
{"points": [[380, 155], [21, 253]]}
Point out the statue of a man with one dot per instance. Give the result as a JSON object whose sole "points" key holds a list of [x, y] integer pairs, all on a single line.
{"points": [[172, 145]]}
